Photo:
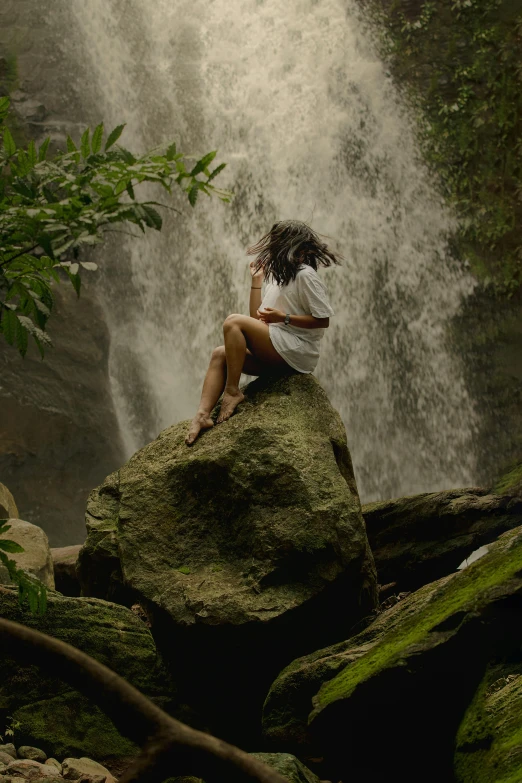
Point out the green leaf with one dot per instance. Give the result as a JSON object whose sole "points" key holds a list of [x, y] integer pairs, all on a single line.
{"points": [[216, 171], [202, 164], [10, 546], [42, 152], [31, 153], [153, 219], [9, 325], [84, 144], [97, 138], [71, 146], [130, 190], [193, 194], [171, 151], [9, 144], [4, 107], [114, 136]]}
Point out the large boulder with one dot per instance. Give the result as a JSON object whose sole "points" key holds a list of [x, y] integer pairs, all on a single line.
{"points": [[53, 716], [403, 684], [36, 557], [418, 539], [489, 740], [246, 549]]}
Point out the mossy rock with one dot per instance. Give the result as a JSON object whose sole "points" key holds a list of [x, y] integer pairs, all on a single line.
{"points": [[53, 715], [489, 740], [243, 542], [72, 726], [417, 666], [421, 538]]}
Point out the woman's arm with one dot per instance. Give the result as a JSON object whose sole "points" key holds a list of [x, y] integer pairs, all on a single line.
{"points": [[271, 316], [255, 292]]}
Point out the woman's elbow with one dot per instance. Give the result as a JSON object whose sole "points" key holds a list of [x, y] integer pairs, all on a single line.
{"points": [[323, 323]]}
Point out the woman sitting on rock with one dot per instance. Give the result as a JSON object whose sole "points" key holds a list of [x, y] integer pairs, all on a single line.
{"points": [[283, 332]]}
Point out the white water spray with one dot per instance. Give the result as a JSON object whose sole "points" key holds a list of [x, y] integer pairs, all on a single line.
{"points": [[299, 106]]}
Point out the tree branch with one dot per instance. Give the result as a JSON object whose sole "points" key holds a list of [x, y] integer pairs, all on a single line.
{"points": [[172, 748], [21, 253]]}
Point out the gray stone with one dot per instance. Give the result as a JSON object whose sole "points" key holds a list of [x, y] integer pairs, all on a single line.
{"points": [[9, 748], [54, 763], [36, 557], [240, 544], [28, 752], [5, 758], [31, 770], [74, 769]]}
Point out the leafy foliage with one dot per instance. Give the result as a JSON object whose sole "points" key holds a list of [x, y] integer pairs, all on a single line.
{"points": [[49, 209], [30, 589], [462, 65]]}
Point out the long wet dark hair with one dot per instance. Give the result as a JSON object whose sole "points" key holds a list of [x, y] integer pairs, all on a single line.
{"points": [[288, 244]]}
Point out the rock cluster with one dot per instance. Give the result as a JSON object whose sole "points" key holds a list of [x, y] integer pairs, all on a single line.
{"points": [[246, 561], [32, 764]]}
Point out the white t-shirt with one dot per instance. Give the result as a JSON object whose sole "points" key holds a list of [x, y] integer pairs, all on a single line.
{"points": [[306, 295]]}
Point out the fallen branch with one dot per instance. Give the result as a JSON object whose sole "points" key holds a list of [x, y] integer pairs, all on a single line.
{"points": [[171, 748]]}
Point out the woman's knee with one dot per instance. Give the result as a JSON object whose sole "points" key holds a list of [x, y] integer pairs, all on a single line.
{"points": [[218, 354], [232, 320]]}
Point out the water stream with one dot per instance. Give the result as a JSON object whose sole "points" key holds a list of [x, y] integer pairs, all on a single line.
{"points": [[298, 104]]}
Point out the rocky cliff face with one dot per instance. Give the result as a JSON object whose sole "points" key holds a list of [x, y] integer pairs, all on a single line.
{"points": [[58, 431]]}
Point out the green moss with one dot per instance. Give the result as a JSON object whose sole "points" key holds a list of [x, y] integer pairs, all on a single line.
{"points": [[460, 63], [463, 589], [70, 725], [510, 481], [489, 740], [183, 570]]}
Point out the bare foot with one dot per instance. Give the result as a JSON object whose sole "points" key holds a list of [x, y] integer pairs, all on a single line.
{"points": [[201, 421], [229, 403]]}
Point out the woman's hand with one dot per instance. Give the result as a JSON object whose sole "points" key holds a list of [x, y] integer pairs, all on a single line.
{"points": [[257, 277], [271, 316]]}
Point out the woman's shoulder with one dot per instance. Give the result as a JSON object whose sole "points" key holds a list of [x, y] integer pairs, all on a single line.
{"points": [[305, 270]]}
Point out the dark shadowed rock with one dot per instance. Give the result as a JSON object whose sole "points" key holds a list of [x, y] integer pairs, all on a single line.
{"points": [[57, 718], [245, 548], [417, 667], [64, 563], [418, 539]]}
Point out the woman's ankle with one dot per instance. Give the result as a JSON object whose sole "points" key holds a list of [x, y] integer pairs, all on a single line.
{"points": [[234, 391]]}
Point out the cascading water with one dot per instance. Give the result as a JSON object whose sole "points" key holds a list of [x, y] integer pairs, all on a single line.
{"points": [[297, 103]]}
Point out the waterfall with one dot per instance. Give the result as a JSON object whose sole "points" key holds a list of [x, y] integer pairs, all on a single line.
{"points": [[297, 102]]}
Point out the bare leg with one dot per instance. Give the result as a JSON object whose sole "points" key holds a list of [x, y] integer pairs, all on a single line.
{"points": [[213, 386], [242, 333]]}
